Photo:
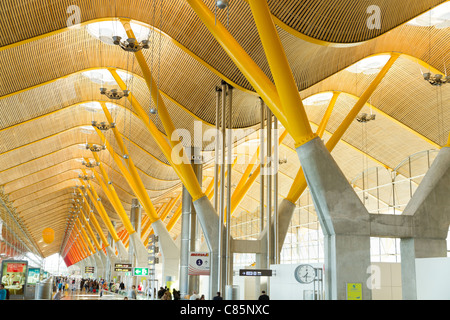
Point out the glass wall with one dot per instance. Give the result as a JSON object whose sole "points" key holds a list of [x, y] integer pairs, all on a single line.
{"points": [[381, 190]]}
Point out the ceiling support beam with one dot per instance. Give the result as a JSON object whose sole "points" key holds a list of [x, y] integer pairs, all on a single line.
{"points": [[184, 169], [291, 103]]}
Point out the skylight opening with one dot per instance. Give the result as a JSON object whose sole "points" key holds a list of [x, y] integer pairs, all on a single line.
{"points": [[370, 65], [105, 30], [438, 17], [318, 99]]}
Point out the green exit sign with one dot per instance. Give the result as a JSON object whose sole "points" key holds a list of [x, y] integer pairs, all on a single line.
{"points": [[140, 271]]}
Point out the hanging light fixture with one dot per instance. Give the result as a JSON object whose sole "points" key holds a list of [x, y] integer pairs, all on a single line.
{"points": [[222, 4], [130, 44], [103, 126], [85, 177], [114, 94], [436, 79], [95, 147], [90, 164], [364, 117]]}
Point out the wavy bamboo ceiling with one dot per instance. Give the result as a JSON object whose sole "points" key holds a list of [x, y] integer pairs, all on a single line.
{"points": [[46, 97]]}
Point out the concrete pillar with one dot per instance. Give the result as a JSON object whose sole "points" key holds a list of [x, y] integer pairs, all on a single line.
{"points": [[100, 269], [169, 252], [189, 230], [186, 204], [344, 220], [139, 256], [430, 209]]}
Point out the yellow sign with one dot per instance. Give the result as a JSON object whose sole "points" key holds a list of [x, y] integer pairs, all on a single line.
{"points": [[354, 291]]}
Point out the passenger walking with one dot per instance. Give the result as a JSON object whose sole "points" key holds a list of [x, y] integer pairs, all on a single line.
{"points": [[132, 293], [263, 296], [218, 297], [2, 292]]}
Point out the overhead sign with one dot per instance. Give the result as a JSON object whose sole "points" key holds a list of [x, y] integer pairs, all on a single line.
{"points": [[255, 272], [140, 271], [89, 269], [199, 264], [123, 267]]}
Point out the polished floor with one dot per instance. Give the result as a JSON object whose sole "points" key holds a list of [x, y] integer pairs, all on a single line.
{"points": [[82, 295]]}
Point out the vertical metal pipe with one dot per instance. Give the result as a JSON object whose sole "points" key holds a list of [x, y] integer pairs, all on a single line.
{"points": [[194, 231], [275, 190], [261, 164], [269, 186], [186, 203], [229, 268], [217, 148], [222, 189]]}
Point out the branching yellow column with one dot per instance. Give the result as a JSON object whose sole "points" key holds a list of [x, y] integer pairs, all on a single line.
{"points": [[291, 102], [170, 206], [163, 114], [85, 236], [257, 78], [299, 185], [323, 124], [101, 210], [81, 242], [91, 233], [132, 177], [115, 203], [184, 169], [238, 195], [93, 219]]}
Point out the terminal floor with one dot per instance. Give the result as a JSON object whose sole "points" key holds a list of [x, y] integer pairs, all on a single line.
{"points": [[81, 295]]}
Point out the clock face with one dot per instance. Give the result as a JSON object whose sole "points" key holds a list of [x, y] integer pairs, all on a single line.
{"points": [[305, 273]]}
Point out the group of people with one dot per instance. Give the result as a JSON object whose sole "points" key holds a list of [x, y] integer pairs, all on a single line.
{"points": [[165, 294]]}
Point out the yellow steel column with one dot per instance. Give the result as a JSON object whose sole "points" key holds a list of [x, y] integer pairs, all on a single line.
{"points": [[94, 220], [183, 170], [291, 103], [237, 197], [116, 204], [360, 103], [91, 233], [133, 180], [299, 184], [80, 239], [323, 124], [163, 114], [101, 211], [170, 206], [257, 78], [85, 236]]}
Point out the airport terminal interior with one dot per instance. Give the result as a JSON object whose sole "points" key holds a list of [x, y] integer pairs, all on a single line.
{"points": [[174, 150]]}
